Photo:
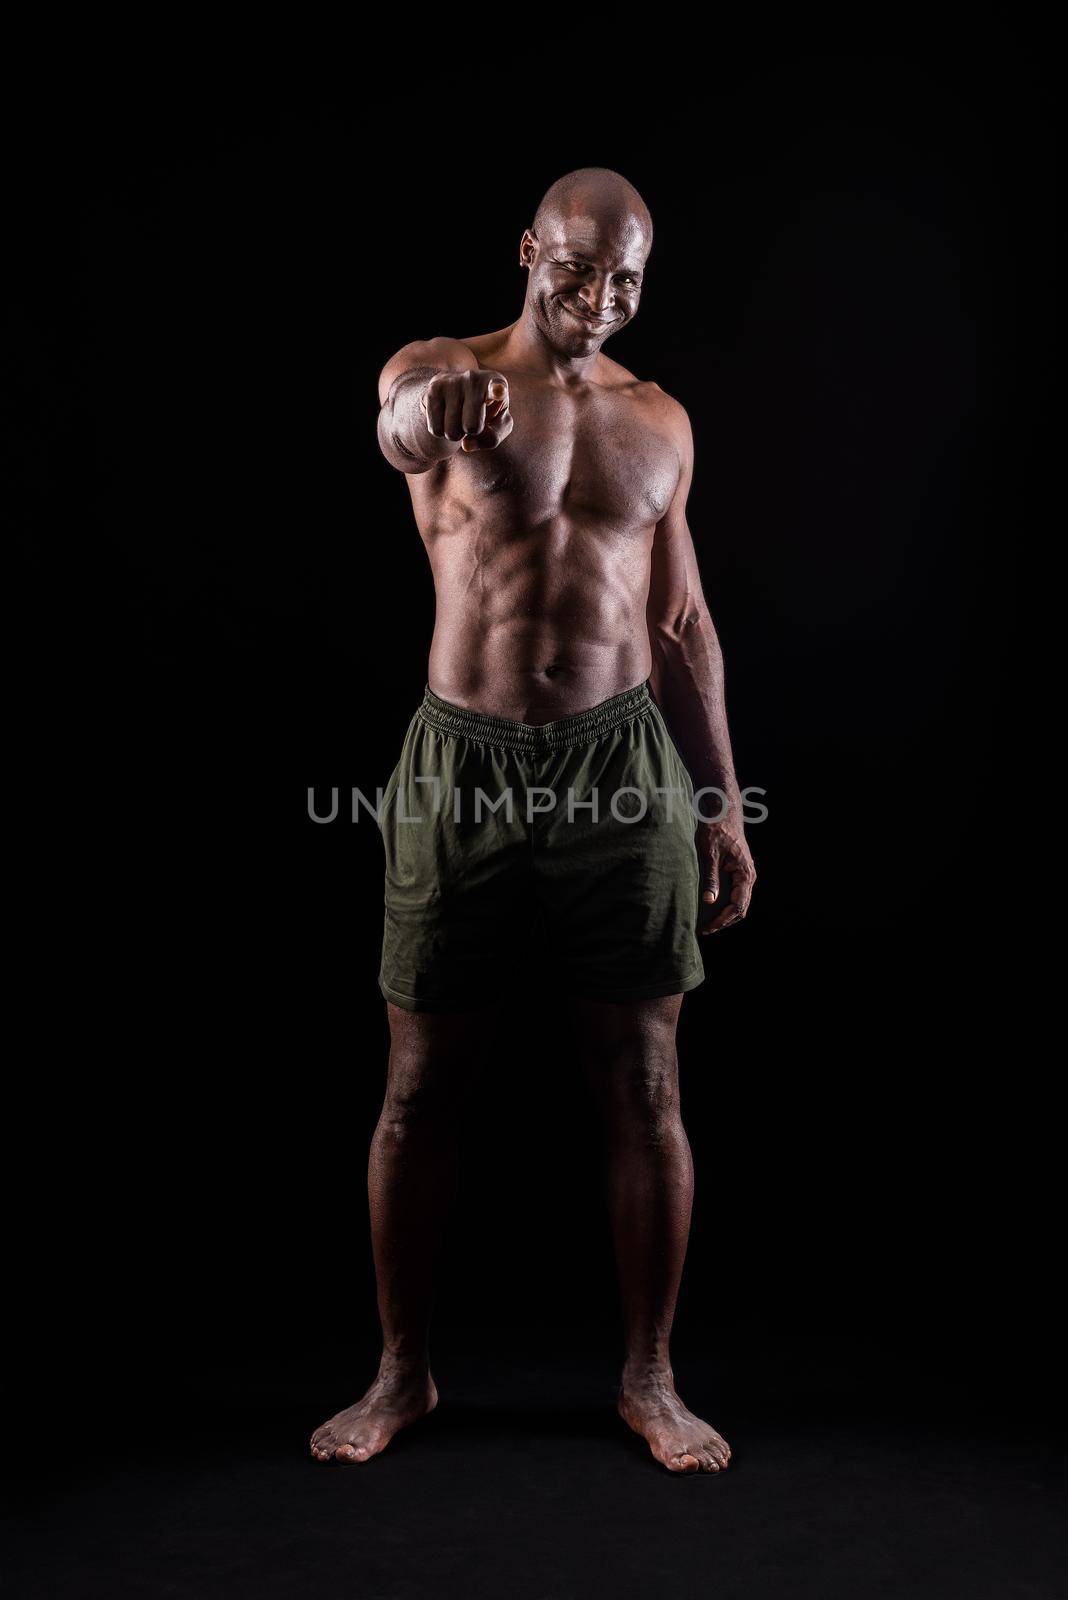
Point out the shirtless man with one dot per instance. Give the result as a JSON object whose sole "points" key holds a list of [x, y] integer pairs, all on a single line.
{"points": [[549, 486]]}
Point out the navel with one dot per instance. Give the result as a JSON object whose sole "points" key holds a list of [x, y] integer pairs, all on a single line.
{"points": [[556, 668]]}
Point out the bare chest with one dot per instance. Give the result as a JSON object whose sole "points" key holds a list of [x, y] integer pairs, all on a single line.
{"points": [[597, 455]]}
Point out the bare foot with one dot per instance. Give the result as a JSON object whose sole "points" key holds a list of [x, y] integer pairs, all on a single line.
{"points": [[367, 1427], [676, 1437]]}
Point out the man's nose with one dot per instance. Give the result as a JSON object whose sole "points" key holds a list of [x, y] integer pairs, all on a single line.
{"points": [[598, 293]]}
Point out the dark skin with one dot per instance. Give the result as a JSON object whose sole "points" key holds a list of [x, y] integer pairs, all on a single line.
{"points": [[549, 486]]}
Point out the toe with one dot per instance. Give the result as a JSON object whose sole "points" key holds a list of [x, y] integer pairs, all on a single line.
{"points": [[685, 1463], [345, 1452], [709, 1462]]}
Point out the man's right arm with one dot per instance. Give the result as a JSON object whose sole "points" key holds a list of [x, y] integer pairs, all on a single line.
{"points": [[435, 400]]}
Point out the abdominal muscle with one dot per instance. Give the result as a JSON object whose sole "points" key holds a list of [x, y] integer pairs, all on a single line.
{"points": [[538, 624]]}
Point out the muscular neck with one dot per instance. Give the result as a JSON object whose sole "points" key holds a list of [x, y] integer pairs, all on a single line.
{"points": [[528, 347]]}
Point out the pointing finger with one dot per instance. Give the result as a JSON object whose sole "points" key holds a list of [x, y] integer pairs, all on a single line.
{"points": [[496, 397]]}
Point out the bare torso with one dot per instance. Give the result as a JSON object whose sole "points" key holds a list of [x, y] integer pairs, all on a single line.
{"points": [[540, 549]]}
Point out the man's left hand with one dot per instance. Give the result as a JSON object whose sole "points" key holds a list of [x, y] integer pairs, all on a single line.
{"points": [[727, 875]]}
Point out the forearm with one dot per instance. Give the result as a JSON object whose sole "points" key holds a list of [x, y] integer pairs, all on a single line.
{"points": [[688, 685], [403, 435], [405, 440]]}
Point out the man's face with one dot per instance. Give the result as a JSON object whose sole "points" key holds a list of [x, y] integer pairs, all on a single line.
{"points": [[585, 278]]}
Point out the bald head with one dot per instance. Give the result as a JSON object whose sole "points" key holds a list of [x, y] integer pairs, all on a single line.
{"points": [[585, 256], [596, 193]]}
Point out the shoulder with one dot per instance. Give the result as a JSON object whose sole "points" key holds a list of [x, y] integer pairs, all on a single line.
{"points": [[669, 412], [488, 346], [668, 415], [673, 418], [670, 419], [441, 351]]}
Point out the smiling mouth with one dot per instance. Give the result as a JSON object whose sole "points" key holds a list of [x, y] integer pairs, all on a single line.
{"points": [[590, 322]]}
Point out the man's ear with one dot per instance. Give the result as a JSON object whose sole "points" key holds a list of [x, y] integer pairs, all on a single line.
{"points": [[528, 248]]}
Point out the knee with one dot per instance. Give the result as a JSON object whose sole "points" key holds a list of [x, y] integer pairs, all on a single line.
{"points": [[641, 1095], [418, 1095]]}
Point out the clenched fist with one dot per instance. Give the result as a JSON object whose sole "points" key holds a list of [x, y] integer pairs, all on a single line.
{"points": [[471, 407]]}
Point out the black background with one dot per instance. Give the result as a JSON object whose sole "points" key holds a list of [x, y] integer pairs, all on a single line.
{"points": [[223, 601]]}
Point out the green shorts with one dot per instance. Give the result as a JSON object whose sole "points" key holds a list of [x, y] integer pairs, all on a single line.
{"points": [[572, 841]]}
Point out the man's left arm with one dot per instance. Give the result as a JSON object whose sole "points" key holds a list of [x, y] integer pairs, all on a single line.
{"points": [[688, 685]]}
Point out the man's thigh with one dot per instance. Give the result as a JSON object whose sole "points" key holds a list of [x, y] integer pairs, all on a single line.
{"points": [[457, 886], [616, 870]]}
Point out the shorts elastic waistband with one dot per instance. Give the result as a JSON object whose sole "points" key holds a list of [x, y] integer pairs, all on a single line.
{"points": [[581, 728]]}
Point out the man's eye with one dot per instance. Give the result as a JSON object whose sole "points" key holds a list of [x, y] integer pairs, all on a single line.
{"points": [[630, 282], [575, 266]]}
